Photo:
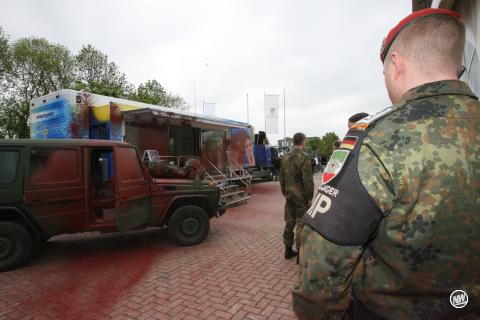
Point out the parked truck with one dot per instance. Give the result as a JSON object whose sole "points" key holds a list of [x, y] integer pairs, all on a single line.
{"points": [[52, 187], [266, 157]]}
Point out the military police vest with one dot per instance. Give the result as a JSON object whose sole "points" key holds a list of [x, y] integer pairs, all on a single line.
{"points": [[343, 212]]}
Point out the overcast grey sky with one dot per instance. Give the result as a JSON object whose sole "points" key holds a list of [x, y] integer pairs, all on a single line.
{"points": [[325, 54]]}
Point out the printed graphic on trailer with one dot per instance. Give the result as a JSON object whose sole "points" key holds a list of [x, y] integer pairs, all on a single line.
{"points": [[51, 121]]}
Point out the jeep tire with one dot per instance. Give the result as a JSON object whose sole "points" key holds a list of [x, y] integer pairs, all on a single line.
{"points": [[189, 225], [15, 245]]}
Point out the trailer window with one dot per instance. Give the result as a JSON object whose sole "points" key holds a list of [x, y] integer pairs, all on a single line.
{"points": [[8, 166], [49, 165], [130, 166]]}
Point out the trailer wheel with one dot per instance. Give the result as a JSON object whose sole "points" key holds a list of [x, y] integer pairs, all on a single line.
{"points": [[189, 225], [15, 245]]}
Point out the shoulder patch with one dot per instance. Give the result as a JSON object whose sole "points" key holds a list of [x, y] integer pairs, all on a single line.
{"points": [[348, 142], [370, 120], [335, 165]]}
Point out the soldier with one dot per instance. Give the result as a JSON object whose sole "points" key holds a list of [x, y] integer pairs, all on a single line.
{"points": [[296, 181], [394, 230]]}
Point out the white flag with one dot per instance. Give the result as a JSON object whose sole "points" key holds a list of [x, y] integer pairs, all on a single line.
{"points": [[209, 109], [271, 113]]}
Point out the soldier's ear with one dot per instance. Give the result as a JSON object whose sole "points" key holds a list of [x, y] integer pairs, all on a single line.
{"points": [[398, 65]]}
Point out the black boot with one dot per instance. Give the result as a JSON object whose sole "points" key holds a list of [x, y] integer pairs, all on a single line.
{"points": [[289, 252]]}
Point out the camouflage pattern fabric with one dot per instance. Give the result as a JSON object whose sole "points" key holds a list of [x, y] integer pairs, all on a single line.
{"points": [[293, 220], [296, 181], [421, 164]]}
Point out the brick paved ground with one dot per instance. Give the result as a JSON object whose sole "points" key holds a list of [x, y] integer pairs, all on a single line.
{"points": [[237, 273]]}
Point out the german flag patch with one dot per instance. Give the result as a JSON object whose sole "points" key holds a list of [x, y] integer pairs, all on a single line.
{"points": [[348, 142]]}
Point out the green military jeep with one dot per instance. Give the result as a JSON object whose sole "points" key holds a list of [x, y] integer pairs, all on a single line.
{"points": [[52, 187]]}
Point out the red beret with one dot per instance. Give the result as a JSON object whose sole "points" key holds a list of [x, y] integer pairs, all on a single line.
{"points": [[387, 42]]}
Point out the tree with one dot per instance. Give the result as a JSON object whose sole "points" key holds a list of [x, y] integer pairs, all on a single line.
{"points": [[95, 74], [153, 92], [5, 67], [176, 102], [32, 67], [4, 53], [325, 148], [313, 143]]}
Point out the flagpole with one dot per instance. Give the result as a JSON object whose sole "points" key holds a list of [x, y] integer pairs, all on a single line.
{"points": [[195, 96], [264, 112], [248, 116], [284, 120], [203, 104]]}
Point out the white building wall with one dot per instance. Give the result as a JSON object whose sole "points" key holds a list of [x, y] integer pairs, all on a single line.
{"points": [[470, 12]]}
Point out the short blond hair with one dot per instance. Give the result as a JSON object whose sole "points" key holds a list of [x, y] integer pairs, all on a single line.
{"points": [[433, 43]]}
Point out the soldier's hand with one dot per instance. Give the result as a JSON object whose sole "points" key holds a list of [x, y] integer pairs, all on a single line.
{"points": [[309, 203]]}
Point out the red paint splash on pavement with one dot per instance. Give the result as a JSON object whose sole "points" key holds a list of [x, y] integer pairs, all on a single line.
{"points": [[90, 283]]}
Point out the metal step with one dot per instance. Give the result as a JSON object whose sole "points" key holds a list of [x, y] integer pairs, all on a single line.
{"points": [[229, 194], [231, 186], [228, 204]]}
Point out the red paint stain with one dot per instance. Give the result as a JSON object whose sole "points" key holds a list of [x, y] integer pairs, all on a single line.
{"points": [[91, 282]]}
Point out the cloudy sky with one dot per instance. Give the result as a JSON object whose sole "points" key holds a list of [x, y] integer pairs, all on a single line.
{"points": [[324, 54]]}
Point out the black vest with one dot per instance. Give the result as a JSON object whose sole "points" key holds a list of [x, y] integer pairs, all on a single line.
{"points": [[343, 212]]}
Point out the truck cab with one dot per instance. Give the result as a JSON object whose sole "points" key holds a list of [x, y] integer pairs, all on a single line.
{"points": [[52, 187]]}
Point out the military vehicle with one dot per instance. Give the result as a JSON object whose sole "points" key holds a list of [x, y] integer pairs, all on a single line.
{"points": [[52, 187]]}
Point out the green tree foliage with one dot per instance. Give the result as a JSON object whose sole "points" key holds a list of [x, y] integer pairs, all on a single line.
{"points": [[95, 74], [4, 53], [153, 92], [322, 146], [5, 66], [313, 144], [325, 147], [33, 67]]}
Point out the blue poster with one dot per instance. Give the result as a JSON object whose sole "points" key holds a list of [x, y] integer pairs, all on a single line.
{"points": [[51, 121]]}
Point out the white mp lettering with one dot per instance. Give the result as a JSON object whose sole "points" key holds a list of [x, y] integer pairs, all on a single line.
{"points": [[314, 204], [322, 205]]}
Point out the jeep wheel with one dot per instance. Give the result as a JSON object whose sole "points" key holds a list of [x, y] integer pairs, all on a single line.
{"points": [[15, 245], [189, 225]]}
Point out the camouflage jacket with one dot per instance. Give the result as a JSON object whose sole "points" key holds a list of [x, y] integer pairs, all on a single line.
{"points": [[296, 178], [420, 164]]}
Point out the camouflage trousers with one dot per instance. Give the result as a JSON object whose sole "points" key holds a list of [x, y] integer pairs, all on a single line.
{"points": [[293, 220]]}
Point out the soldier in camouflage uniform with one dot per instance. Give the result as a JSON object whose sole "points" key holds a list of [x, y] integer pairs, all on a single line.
{"points": [[296, 181], [394, 230]]}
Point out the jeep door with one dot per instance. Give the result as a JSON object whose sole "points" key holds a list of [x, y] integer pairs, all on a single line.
{"points": [[132, 189], [55, 188], [11, 175]]}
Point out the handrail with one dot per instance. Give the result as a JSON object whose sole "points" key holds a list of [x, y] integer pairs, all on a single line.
{"points": [[212, 178], [242, 170]]}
